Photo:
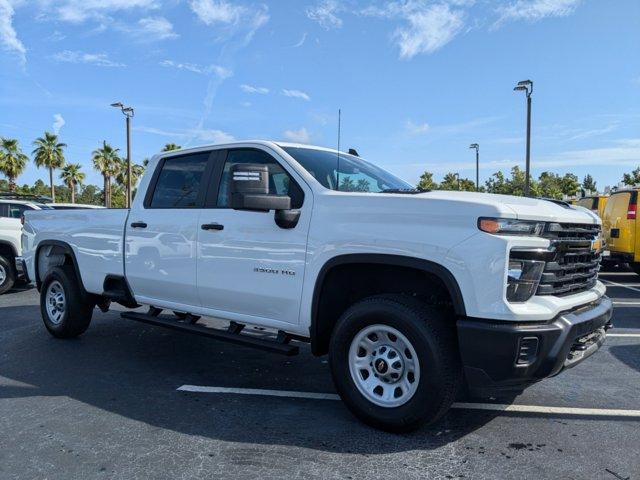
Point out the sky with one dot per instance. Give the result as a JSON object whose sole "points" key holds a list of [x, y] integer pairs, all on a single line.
{"points": [[417, 80]]}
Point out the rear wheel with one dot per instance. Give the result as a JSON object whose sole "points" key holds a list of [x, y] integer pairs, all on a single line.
{"points": [[7, 274], [65, 310], [635, 267], [395, 363]]}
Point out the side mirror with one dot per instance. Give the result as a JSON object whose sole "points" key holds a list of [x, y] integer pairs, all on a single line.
{"points": [[250, 189]]}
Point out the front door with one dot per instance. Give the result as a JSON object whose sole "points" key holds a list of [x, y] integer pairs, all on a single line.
{"points": [[162, 230], [248, 267]]}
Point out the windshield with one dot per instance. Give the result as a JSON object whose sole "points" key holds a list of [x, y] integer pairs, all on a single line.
{"points": [[355, 174]]}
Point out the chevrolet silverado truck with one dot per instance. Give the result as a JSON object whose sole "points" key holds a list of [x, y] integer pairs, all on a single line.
{"points": [[412, 294]]}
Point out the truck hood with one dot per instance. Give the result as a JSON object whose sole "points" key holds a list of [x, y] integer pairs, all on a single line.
{"points": [[522, 208]]}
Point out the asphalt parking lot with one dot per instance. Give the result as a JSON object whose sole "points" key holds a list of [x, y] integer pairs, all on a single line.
{"points": [[109, 405]]}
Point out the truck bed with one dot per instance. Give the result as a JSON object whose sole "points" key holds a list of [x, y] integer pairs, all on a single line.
{"points": [[96, 237]]}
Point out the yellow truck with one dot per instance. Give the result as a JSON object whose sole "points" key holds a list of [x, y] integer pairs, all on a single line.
{"points": [[595, 203], [621, 229]]}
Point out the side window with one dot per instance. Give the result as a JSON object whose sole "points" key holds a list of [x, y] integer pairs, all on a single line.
{"points": [[16, 210], [280, 182], [4, 210], [179, 182]]}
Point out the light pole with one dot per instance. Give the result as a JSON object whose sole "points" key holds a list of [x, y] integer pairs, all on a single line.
{"points": [[527, 87], [477, 148], [128, 113], [457, 175]]}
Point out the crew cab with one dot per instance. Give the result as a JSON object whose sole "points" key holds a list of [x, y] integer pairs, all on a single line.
{"points": [[412, 294]]}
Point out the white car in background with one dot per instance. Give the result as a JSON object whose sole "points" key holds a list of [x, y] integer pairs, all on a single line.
{"points": [[72, 206], [11, 209]]}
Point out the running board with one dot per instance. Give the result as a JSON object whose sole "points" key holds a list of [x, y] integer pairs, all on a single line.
{"points": [[232, 335]]}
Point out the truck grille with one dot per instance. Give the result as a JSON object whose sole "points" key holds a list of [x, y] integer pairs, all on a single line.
{"points": [[571, 264]]}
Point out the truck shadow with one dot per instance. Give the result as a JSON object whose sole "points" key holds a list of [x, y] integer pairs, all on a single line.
{"points": [[627, 354], [133, 371]]}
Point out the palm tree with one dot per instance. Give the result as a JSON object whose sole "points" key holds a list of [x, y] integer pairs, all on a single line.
{"points": [[121, 173], [72, 176], [105, 160], [12, 160], [49, 153], [170, 146]]}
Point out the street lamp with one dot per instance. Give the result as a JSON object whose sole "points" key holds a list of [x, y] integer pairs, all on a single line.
{"points": [[128, 113], [457, 175], [477, 148], [527, 87]]}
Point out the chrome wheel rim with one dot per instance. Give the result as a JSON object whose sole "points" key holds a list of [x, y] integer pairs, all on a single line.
{"points": [[384, 366], [3, 274], [55, 302]]}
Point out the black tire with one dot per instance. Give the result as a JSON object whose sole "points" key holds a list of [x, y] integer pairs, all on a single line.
{"points": [[635, 267], [78, 309], [8, 274], [433, 338]]}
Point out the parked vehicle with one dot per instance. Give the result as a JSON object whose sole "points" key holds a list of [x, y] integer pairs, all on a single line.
{"points": [[620, 228], [412, 294], [595, 203], [12, 207]]}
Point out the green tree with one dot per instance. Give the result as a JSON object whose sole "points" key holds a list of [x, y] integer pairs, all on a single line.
{"points": [[632, 178], [49, 153], [90, 195], [72, 176], [121, 172], [514, 185], [452, 181], [347, 185], [12, 161], [170, 146], [570, 184], [105, 160], [426, 182], [497, 183], [588, 184], [550, 185]]}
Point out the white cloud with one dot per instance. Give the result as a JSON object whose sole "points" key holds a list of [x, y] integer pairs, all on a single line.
{"points": [[298, 136], [325, 14], [429, 29], [155, 28], [212, 12], [78, 11], [217, 70], [251, 89], [97, 59], [8, 36], [296, 94], [200, 134], [416, 128], [58, 123], [534, 10]]}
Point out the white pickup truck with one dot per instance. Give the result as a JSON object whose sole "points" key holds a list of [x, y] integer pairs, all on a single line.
{"points": [[412, 294]]}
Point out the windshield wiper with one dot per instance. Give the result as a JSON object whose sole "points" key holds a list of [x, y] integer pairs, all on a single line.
{"points": [[406, 191]]}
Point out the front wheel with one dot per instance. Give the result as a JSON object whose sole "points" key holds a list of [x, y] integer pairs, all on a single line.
{"points": [[65, 310], [395, 362]]}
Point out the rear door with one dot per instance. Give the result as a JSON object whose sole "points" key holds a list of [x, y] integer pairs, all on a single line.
{"points": [[249, 269], [162, 230], [620, 220]]}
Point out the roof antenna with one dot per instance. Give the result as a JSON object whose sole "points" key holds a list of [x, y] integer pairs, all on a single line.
{"points": [[338, 167]]}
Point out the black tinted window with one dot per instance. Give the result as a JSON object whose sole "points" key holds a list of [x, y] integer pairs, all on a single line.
{"points": [[179, 182], [280, 182], [16, 210], [4, 209]]}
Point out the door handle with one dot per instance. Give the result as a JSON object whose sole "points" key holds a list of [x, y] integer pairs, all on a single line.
{"points": [[138, 225], [212, 226]]}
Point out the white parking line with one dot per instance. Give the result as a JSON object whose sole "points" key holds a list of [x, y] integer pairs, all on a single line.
{"points": [[629, 303], [615, 284], [632, 335], [496, 407]]}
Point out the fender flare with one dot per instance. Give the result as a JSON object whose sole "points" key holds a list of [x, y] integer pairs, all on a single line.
{"points": [[57, 246], [427, 266]]}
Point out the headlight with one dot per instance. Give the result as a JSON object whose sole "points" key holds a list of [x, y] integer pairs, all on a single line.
{"points": [[507, 226], [523, 278]]}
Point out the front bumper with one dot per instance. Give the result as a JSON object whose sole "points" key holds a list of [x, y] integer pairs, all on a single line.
{"points": [[507, 356], [21, 269]]}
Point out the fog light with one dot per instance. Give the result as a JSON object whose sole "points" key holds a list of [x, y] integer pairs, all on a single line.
{"points": [[523, 277]]}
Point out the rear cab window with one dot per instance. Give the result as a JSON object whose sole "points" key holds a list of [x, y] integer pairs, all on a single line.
{"points": [[179, 181]]}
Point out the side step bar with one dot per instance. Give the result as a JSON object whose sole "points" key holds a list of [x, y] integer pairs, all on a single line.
{"points": [[280, 345]]}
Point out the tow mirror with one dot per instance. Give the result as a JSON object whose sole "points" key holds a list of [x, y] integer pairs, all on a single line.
{"points": [[250, 189]]}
